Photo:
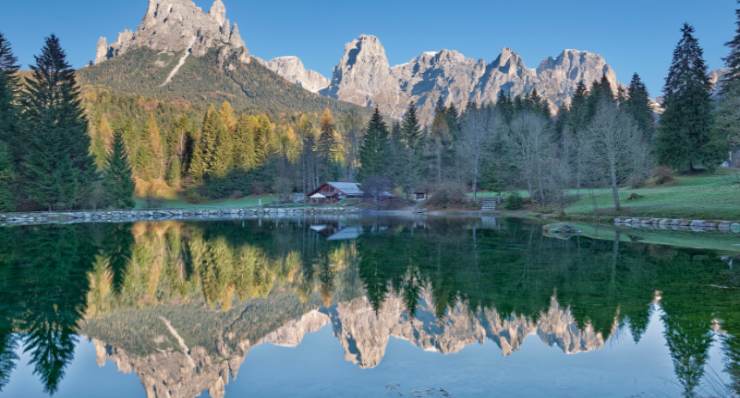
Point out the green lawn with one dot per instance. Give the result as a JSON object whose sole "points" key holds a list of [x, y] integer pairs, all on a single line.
{"points": [[715, 196], [250, 201], [706, 196]]}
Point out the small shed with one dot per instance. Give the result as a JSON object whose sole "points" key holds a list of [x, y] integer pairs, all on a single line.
{"points": [[335, 191]]}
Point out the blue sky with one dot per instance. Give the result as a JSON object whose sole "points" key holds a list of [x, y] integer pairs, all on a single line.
{"points": [[633, 35]]}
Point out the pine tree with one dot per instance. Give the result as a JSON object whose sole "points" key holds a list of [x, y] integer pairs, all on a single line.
{"points": [[8, 92], [7, 179], [58, 171], [117, 178], [375, 148], [327, 147], [727, 114], [410, 128], [8, 125], [638, 106], [684, 140], [205, 149], [732, 61], [600, 90]]}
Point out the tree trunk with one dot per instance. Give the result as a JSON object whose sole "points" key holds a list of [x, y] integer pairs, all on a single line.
{"points": [[615, 186]]}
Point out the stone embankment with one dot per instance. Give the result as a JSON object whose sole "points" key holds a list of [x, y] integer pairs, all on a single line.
{"points": [[679, 224], [123, 216]]}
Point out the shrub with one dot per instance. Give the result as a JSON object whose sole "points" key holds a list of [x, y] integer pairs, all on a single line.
{"points": [[514, 202], [662, 175], [449, 196]]}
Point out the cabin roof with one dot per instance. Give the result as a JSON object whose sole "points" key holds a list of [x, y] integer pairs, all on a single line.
{"points": [[347, 188]]}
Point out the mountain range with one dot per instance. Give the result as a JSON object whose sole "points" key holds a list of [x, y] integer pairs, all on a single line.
{"points": [[179, 50]]}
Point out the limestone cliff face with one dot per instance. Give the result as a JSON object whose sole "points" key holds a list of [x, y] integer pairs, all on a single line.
{"points": [[364, 77], [293, 70], [176, 26]]}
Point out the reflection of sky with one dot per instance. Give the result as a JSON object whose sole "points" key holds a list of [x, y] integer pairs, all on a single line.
{"points": [[317, 368], [82, 378]]}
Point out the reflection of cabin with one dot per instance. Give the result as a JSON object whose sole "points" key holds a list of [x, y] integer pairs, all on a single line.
{"points": [[332, 192], [337, 232]]}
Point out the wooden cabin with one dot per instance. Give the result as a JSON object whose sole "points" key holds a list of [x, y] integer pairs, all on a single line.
{"points": [[332, 192]]}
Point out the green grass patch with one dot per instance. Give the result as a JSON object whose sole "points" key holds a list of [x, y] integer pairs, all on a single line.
{"points": [[714, 196], [246, 202]]}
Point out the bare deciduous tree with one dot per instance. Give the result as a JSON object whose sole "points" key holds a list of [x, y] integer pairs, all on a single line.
{"points": [[614, 150], [533, 154], [478, 128]]}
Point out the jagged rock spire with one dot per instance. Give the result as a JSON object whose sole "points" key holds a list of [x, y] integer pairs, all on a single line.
{"points": [[218, 12], [180, 25]]}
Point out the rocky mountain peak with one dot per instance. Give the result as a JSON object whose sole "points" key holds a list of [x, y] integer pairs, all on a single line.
{"points": [[218, 12], [449, 76], [179, 25], [510, 63], [363, 75], [291, 68]]}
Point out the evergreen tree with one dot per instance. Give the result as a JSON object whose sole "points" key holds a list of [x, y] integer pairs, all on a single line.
{"points": [[375, 149], [733, 59], [505, 106], [8, 91], [58, 171], [204, 152], [637, 105], [409, 150], [684, 140], [410, 129], [727, 114], [327, 147], [8, 125], [600, 90], [117, 179]]}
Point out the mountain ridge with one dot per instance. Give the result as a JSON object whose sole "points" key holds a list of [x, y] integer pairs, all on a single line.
{"points": [[181, 52]]}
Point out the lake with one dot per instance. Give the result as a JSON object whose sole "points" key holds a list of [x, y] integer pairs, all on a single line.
{"points": [[361, 308]]}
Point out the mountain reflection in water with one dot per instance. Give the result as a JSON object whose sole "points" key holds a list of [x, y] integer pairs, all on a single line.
{"points": [[182, 304]]}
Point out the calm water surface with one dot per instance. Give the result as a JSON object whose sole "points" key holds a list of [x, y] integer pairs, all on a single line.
{"points": [[361, 308]]}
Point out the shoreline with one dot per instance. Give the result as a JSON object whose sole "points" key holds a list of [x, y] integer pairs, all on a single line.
{"points": [[134, 215]]}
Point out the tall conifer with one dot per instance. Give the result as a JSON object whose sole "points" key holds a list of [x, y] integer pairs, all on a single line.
{"points": [[58, 171], [732, 61], [117, 178], [638, 106], [684, 139], [8, 91], [374, 152]]}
